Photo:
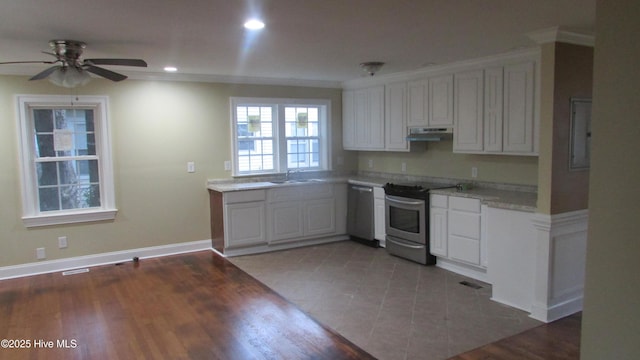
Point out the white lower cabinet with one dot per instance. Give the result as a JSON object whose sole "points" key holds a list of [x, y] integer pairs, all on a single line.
{"points": [[285, 220], [438, 225], [456, 229], [244, 218], [379, 228], [298, 212]]}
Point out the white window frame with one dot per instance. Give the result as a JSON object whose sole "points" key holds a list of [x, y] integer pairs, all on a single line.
{"points": [[279, 132], [32, 216]]}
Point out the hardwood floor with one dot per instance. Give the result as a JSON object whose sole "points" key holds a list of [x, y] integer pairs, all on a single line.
{"points": [[197, 306], [559, 340], [191, 306]]}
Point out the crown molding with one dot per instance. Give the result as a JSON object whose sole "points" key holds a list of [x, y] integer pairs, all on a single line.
{"points": [[204, 78], [557, 34]]}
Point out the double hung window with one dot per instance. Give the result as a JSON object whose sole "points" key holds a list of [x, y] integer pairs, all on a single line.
{"points": [[66, 160], [277, 135]]}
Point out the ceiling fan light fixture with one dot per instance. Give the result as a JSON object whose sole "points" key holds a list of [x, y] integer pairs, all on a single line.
{"points": [[69, 77], [371, 67]]}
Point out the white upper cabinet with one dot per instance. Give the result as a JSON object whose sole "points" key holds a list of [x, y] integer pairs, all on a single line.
{"points": [[491, 104], [396, 117], [363, 119], [518, 108], [418, 103], [441, 101], [493, 109], [430, 102], [468, 110]]}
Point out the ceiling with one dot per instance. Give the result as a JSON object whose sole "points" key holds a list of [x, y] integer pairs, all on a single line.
{"points": [[319, 41]]}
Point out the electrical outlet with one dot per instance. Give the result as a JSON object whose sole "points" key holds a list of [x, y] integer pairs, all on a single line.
{"points": [[404, 167], [370, 163], [340, 160], [474, 172], [191, 167], [40, 254], [62, 242], [227, 165]]}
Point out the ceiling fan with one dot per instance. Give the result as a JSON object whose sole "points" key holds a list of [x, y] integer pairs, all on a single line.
{"points": [[71, 69]]}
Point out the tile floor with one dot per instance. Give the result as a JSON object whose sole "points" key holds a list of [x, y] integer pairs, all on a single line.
{"points": [[390, 307]]}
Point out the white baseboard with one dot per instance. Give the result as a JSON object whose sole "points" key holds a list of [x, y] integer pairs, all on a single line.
{"points": [[49, 266], [557, 311]]}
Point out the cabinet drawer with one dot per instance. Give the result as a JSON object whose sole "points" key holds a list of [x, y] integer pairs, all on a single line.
{"points": [[284, 193], [439, 201], [464, 204], [317, 191], [234, 197], [464, 249], [464, 224]]}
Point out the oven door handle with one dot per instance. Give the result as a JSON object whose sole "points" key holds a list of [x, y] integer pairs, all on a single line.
{"points": [[404, 243], [403, 202]]}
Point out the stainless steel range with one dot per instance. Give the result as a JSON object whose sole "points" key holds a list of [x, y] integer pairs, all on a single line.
{"points": [[407, 221]]}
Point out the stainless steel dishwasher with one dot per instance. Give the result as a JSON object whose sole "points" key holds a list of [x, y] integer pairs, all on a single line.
{"points": [[360, 221]]}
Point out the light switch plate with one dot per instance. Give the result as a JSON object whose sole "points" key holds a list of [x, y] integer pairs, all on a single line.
{"points": [[191, 167]]}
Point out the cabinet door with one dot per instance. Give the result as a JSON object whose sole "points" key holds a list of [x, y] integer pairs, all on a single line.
{"points": [[441, 101], [396, 117], [438, 231], [285, 221], [493, 109], [348, 120], [468, 110], [369, 118], [379, 229], [245, 224], [376, 117], [417, 103], [518, 108], [319, 217]]}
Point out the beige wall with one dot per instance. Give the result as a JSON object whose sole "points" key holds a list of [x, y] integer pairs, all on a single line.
{"points": [[438, 160], [611, 317], [157, 127]]}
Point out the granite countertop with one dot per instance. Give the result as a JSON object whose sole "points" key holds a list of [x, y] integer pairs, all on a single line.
{"points": [[492, 197], [503, 199]]}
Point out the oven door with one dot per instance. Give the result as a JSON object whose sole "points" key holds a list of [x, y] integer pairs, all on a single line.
{"points": [[406, 218]]}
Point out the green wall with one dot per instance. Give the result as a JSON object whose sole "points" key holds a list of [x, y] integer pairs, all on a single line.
{"points": [[157, 127]]}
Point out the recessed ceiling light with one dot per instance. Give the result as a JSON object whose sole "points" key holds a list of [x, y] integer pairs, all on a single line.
{"points": [[254, 24], [170, 69]]}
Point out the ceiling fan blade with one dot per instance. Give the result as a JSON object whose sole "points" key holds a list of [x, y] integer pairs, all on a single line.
{"points": [[124, 62], [28, 62], [44, 74], [108, 74]]}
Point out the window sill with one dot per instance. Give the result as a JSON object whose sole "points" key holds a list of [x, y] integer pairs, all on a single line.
{"points": [[69, 218]]}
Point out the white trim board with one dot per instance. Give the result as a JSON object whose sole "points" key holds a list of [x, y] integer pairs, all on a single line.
{"points": [[50, 266]]}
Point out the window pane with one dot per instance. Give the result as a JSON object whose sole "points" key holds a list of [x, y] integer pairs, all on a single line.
{"points": [[48, 198], [44, 146], [47, 173], [43, 120], [80, 196], [72, 135]]}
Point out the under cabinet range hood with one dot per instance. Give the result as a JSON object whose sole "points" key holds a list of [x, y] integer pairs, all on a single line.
{"points": [[430, 134]]}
